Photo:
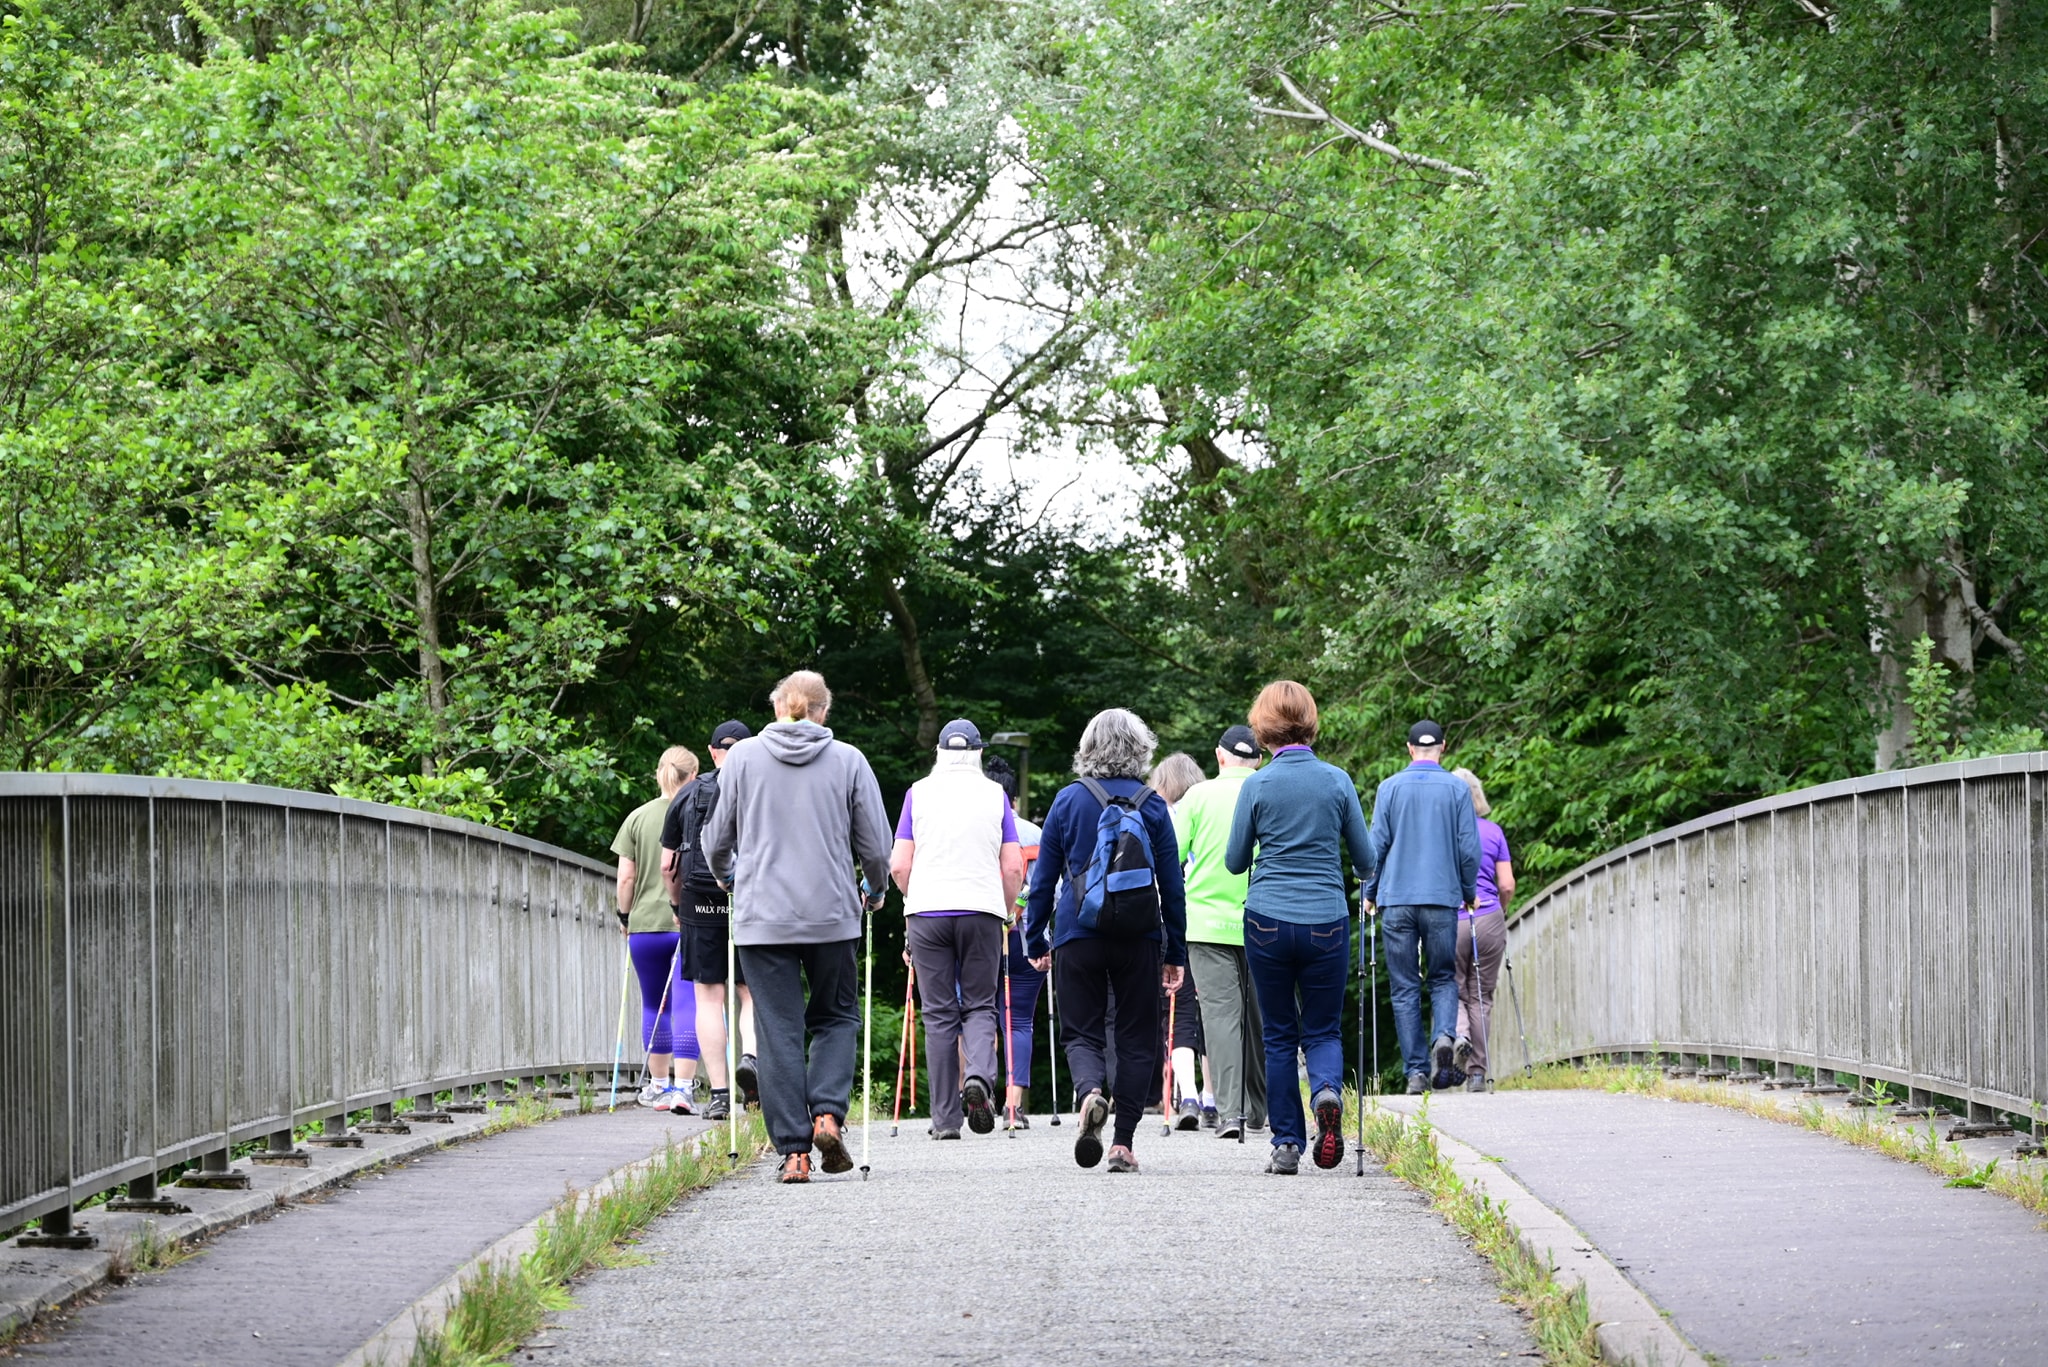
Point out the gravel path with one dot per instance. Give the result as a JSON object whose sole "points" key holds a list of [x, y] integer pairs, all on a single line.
{"points": [[1768, 1242], [305, 1287], [1001, 1250]]}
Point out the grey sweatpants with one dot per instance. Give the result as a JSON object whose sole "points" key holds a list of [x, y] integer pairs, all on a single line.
{"points": [[959, 966], [794, 1089], [1476, 981], [1232, 1030]]}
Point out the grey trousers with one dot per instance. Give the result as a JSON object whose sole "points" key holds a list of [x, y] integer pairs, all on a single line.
{"points": [[795, 1088], [959, 968], [1476, 981], [1232, 1029]]}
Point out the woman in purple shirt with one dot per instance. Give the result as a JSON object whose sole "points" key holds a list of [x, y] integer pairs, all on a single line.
{"points": [[1482, 940]]}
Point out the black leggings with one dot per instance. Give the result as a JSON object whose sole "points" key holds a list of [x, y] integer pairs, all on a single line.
{"points": [[1085, 972]]}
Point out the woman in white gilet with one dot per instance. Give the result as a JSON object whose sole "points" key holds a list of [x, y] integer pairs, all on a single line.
{"points": [[959, 865]]}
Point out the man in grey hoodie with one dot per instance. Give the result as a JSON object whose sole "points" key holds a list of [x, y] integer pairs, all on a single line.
{"points": [[796, 811]]}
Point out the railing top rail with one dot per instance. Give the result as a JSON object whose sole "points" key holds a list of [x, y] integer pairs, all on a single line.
{"points": [[2032, 762], [15, 784]]}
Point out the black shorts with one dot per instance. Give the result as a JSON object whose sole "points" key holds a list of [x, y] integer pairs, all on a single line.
{"points": [[704, 950]]}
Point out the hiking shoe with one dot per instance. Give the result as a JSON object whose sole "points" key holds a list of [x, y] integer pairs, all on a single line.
{"points": [[938, 1133], [981, 1116], [1475, 1082], [1230, 1129], [719, 1107], [1209, 1118], [1190, 1115], [1020, 1121], [796, 1167], [1418, 1083], [1440, 1062], [650, 1094], [1088, 1144], [1461, 1056], [1122, 1159], [1285, 1162], [1329, 1151], [748, 1076], [675, 1101], [832, 1154]]}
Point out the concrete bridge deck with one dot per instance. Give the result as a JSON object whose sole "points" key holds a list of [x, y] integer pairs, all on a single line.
{"points": [[1761, 1242]]}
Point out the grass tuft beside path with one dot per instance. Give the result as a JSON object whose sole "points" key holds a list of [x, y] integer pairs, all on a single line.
{"points": [[2026, 1183], [1561, 1320], [501, 1305]]}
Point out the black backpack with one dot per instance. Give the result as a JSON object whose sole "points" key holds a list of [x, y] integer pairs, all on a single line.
{"points": [[1119, 893], [694, 806]]}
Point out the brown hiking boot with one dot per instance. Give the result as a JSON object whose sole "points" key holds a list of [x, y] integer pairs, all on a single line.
{"points": [[832, 1153], [796, 1167]]}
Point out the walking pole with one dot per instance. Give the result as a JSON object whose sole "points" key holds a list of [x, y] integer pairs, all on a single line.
{"points": [[1166, 1082], [1009, 1047], [734, 1105], [1528, 1067], [1244, 1045], [619, 1049], [867, 1036], [662, 1009], [911, 1081], [1372, 977], [903, 1048], [1052, 1028]]}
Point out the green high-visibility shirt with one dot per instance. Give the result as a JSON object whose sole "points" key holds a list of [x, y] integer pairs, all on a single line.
{"points": [[1201, 822]]}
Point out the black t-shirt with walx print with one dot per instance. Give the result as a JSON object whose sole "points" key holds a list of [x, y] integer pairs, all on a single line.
{"points": [[682, 830]]}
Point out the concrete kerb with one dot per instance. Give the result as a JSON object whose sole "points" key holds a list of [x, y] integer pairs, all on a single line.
{"points": [[36, 1281], [1627, 1324], [394, 1343]]}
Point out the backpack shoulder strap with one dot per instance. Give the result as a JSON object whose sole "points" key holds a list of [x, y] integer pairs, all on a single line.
{"points": [[1095, 790]]}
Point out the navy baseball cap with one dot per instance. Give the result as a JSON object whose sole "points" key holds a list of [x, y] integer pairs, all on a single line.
{"points": [[729, 731], [960, 735], [1425, 733], [1239, 741]]}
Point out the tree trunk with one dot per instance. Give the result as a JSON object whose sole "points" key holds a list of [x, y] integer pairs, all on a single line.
{"points": [[1925, 602], [426, 596], [913, 663]]}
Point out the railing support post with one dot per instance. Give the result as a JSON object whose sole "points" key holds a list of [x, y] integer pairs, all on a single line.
{"points": [[216, 1173], [383, 1120], [56, 1230], [281, 1152]]}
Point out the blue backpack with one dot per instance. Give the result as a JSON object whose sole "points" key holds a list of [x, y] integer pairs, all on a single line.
{"points": [[1120, 892]]}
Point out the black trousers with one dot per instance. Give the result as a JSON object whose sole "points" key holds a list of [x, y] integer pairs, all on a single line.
{"points": [[795, 1088], [1085, 972]]}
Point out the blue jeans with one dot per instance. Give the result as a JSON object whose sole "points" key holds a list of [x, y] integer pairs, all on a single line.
{"points": [[1435, 930], [1298, 973]]}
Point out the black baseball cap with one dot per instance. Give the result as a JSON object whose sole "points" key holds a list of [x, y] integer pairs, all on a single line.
{"points": [[960, 735], [1239, 741], [1425, 733], [723, 736]]}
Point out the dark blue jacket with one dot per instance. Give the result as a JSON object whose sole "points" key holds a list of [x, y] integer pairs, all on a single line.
{"points": [[1425, 840], [1301, 813], [1064, 849]]}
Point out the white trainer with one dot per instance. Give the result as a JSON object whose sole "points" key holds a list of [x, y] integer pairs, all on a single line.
{"points": [[651, 1094]]}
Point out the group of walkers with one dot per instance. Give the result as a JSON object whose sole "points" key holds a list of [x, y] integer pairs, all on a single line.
{"points": [[1180, 920]]}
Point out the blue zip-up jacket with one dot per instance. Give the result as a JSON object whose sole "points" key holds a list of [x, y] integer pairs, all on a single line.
{"points": [[1067, 844], [1425, 840], [1293, 815]]}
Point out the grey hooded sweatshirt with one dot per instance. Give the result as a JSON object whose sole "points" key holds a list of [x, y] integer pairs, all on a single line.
{"points": [[796, 809]]}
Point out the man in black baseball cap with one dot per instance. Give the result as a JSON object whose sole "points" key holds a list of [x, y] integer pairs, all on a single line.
{"points": [[701, 912], [1425, 839]]}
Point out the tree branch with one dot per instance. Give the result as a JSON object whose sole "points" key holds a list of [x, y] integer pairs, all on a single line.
{"points": [[1311, 112]]}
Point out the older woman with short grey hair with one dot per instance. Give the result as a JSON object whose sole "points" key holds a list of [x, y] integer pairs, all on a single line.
{"points": [[1133, 959]]}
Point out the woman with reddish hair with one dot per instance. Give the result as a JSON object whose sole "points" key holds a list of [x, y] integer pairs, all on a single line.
{"points": [[1299, 816]]}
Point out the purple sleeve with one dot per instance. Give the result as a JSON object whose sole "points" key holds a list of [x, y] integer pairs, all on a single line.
{"points": [[1009, 825], [903, 822], [1497, 845]]}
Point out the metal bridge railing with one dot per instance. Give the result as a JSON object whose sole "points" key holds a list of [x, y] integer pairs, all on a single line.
{"points": [[1888, 927], [185, 966]]}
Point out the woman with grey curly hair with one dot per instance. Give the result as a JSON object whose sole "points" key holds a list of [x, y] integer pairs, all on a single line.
{"points": [[1116, 750]]}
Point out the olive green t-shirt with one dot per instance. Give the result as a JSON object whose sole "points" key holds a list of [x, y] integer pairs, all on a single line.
{"points": [[639, 839]]}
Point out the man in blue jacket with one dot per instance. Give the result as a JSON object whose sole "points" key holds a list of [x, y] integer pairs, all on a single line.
{"points": [[1425, 844]]}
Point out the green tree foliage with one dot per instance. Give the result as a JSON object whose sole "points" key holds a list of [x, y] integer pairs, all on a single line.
{"points": [[1630, 390]]}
